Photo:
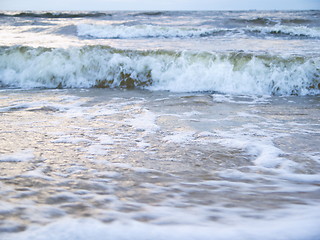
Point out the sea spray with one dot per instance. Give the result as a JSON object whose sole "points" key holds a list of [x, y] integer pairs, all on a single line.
{"points": [[184, 71]]}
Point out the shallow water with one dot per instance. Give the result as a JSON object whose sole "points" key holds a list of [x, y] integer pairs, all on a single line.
{"points": [[160, 125], [140, 164]]}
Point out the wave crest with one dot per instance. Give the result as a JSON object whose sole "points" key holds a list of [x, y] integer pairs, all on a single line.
{"points": [[55, 14], [151, 31], [261, 21], [98, 66], [295, 31], [142, 31]]}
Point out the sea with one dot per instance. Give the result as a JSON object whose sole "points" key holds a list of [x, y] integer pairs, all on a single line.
{"points": [[131, 125]]}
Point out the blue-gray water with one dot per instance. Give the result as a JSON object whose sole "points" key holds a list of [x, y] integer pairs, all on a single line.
{"points": [[160, 125], [227, 52]]}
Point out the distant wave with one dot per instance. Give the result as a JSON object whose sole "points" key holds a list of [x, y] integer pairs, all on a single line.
{"points": [[55, 14], [150, 13], [281, 30], [295, 21], [98, 66], [270, 22], [143, 31], [255, 21], [151, 31]]}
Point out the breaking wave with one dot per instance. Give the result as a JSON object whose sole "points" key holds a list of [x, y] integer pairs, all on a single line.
{"points": [[141, 31], [151, 13], [254, 21], [98, 66], [281, 30], [261, 21], [55, 14], [151, 31]]}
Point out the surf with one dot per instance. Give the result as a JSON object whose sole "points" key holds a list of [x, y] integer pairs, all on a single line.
{"points": [[176, 71]]}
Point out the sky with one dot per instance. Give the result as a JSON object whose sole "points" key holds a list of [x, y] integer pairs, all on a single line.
{"points": [[105, 5]]}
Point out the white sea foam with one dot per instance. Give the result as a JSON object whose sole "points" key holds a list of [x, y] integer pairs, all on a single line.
{"points": [[109, 174], [288, 30], [71, 139], [21, 156], [184, 72], [105, 140], [140, 31], [243, 99], [6, 208], [143, 170], [14, 107], [152, 31], [142, 145], [98, 149], [146, 121], [179, 137], [37, 173], [301, 178], [304, 221], [262, 149], [121, 165]]}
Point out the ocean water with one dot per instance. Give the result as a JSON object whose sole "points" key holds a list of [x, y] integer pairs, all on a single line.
{"points": [[160, 125]]}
